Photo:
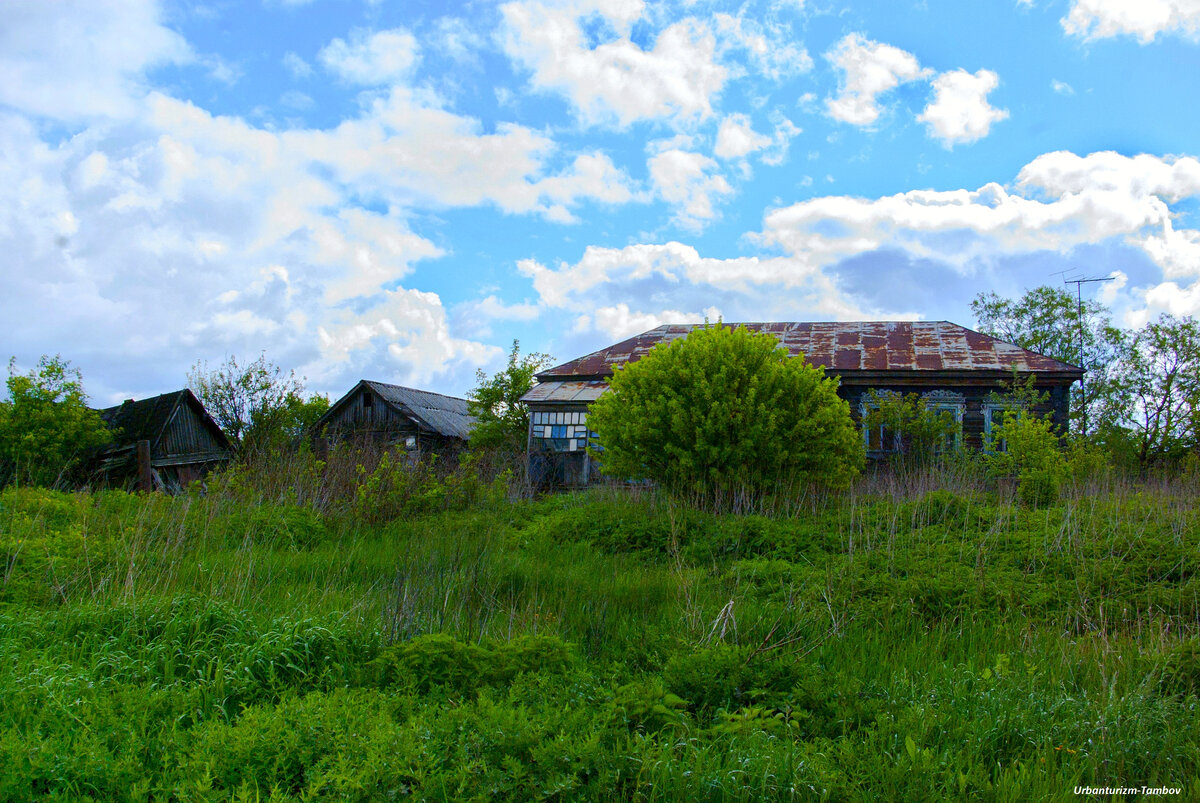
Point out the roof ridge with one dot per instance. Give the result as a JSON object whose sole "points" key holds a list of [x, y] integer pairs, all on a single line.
{"points": [[415, 390]]}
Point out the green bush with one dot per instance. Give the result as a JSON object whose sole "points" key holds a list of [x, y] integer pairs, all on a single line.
{"points": [[723, 413], [1026, 446]]}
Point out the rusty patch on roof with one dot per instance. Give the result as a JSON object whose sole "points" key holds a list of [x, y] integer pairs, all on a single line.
{"points": [[855, 346]]}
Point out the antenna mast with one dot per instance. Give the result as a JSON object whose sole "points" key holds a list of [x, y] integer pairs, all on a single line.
{"points": [[1079, 282]]}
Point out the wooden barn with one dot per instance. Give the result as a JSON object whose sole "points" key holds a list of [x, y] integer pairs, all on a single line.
{"points": [[954, 368], [381, 413], [161, 443]]}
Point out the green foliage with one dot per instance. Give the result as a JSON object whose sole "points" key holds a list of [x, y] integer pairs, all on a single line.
{"points": [[47, 430], [258, 406], [1157, 398], [440, 661], [402, 485], [1025, 446], [940, 646], [501, 420], [925, 435], [1047, 320], [723, 411]]}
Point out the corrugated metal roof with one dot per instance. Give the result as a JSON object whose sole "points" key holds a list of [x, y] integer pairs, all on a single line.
{"points": [[446, 415], [566, 392], [847, 347]]}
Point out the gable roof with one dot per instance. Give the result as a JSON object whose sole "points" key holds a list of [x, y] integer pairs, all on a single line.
{"points": [[434, 412], [847, 347], [147, 419]]}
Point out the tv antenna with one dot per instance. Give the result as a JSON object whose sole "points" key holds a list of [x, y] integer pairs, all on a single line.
{"points": [[1079, 281]]}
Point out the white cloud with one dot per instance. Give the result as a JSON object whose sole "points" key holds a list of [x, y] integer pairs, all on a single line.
{"points": [[617, 79], [79, 59], [672, 283], [960, 111], [1071, 201], [737, 138], [869, 69], [476, 317], [1144, 19], [688, 182], [771, 47], [296, 65], [1062, 87], [372, 59]]}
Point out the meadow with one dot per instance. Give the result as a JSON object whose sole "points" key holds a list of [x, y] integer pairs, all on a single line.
{"points": [[918, 638]]}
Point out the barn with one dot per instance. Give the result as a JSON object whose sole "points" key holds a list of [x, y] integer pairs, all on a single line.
{"points": [[161, 443], [377, 412], [954, 368]]}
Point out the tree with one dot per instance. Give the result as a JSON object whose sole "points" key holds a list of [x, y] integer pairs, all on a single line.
{"points": [[1157, 397], [501, 420], [724, 410], [1047, 320], [258, 405], [46, 427]]}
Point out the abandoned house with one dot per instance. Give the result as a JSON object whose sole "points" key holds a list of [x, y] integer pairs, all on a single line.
{"points": [[954, 368], [161, 443], [376, 412]]}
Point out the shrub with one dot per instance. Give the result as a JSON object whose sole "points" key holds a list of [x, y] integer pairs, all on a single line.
{"points": [[438, 660], [47, 429], [1032, 454], [723, 411]]}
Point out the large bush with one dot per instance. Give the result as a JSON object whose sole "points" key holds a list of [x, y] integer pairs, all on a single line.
{"points": [[725, 410], [47, 430]]}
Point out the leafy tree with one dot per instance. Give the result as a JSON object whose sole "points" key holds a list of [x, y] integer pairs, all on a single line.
{"points": [[1047, 320], [258, 405], [1032, 453], [46, 427], [501, 421], [724, 410], [1157, 396]]}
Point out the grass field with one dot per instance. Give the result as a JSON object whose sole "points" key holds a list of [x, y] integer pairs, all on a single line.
{"points": [[882, 644]]}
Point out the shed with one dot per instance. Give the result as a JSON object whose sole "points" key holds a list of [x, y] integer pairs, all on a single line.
{"points": [[955, 368], [379, 412], [181, 442]]}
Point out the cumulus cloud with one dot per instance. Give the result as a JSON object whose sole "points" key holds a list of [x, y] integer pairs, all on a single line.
{"points": [[80, 59], [617, 79], [737, 138], [1145, 20], [688, 182], [673, 283], [236, 238], [771, 47], [869, 69], [960, 111], [372, 58]]}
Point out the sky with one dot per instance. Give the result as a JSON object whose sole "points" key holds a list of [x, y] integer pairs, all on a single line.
{"points": [[397, 190]]}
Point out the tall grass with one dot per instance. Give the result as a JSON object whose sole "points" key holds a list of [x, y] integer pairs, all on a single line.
{"points": [[910, 638]]}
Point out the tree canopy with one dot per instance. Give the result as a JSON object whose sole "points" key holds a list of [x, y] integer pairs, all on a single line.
{"points": [[47, 429], [257, 404], [724, 410], [501, 421]]}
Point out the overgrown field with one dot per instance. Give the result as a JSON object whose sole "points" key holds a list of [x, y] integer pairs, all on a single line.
{"points": [[609, 646]]}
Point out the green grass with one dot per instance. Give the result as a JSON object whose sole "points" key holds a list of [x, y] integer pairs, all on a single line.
{"points": [[878, 645]]}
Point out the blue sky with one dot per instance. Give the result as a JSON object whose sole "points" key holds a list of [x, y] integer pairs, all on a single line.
{"points": [[396, 191]]}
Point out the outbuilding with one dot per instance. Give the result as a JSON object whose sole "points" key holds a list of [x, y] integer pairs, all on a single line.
{"points": [[379, 413], [161, 443], [954, 368]]}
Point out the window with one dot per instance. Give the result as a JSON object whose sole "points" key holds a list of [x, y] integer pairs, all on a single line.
{"points": [[560, 431], [993, 416], [879, 437], [368, 401], [944, 401]]}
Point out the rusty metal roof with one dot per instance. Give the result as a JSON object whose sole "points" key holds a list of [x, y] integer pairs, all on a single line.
{"points": [[847, 347], [565, 392]]}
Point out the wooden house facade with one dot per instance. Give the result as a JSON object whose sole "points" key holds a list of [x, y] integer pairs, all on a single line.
{"points": [[377, 412], [953, 368], [161, 443]]}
